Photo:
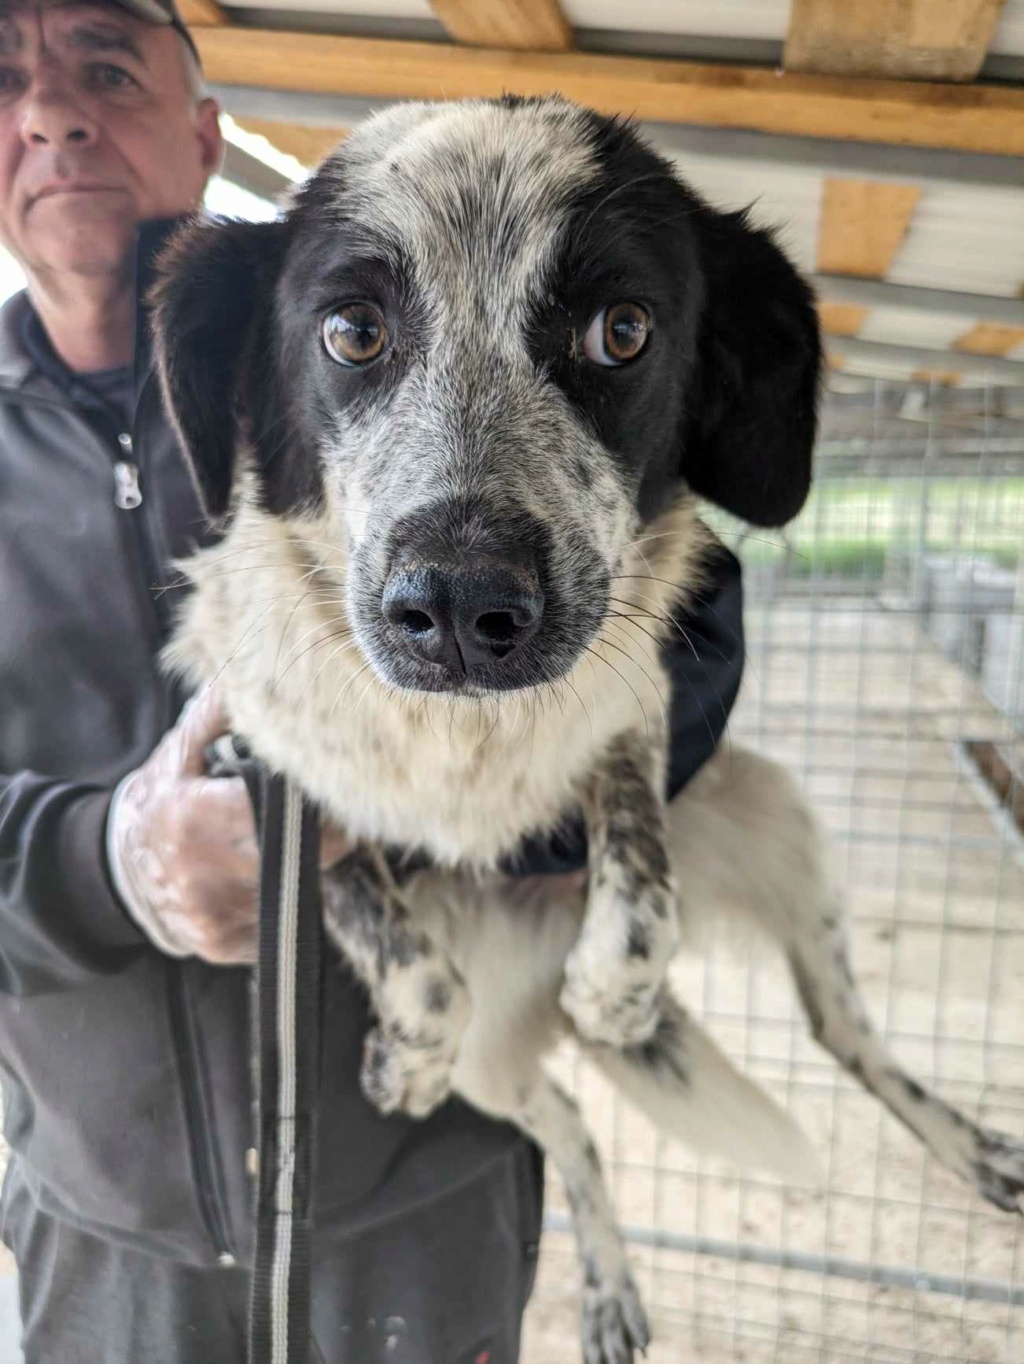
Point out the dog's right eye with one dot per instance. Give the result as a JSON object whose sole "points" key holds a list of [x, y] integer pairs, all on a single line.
{"points": [[355, 334]]}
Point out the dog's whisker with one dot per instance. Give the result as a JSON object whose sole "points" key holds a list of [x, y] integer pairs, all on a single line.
{"points": [[344, 635], [579, 698], [345, 688], [631, 659], [346, 644], [608, 663], [321, 623]]}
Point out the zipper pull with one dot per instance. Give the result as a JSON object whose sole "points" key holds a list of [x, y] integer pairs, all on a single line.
{"points": [[127, 493]]}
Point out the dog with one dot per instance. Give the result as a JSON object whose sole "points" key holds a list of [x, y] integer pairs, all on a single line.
{"points": [[453, 412]]}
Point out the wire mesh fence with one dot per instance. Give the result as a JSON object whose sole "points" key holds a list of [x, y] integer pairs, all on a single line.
{"points": [[886, 669]]}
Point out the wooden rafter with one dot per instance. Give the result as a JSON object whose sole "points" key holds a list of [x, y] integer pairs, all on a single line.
{"points": [[974, 118], [539, 25], [862, 226], [920, 39], [945, 378], [306, 144], [986, 338], [202, 13], [841, 319]]}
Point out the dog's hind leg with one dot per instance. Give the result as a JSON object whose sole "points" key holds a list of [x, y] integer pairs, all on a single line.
{"points": [[819, 959], [742, 838], [614, 1325]]}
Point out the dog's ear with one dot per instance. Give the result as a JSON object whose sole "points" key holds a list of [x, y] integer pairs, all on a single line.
{"points": [[752, 412], [213, 327]]}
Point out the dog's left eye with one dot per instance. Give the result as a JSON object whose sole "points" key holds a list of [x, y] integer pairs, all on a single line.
{"points": [[617, 334], [355, 334]]}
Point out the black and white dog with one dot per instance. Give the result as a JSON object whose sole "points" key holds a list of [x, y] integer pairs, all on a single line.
{"points": [[453, 411]]}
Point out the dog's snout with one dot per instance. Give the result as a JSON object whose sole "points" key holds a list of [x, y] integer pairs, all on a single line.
{"points": [[466, 616]]}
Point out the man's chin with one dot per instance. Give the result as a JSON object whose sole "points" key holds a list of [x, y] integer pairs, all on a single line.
{"points": [[96, 248]]}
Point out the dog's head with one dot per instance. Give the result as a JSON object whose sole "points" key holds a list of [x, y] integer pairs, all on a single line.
{"points": [[487, 344]]}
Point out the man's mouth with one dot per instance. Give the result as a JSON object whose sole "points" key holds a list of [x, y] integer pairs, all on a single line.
{"points": [[61, 188]]}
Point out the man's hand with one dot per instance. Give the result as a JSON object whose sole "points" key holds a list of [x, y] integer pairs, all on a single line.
{"points": [[182, 846]]}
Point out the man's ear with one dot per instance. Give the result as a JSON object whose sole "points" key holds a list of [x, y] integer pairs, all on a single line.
{"points": [[213, 327], [752, 411]]}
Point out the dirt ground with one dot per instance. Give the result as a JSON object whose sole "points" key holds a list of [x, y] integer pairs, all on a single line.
{"points": [[861, 705]]}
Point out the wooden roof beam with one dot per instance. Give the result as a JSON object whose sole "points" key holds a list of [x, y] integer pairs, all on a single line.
{"points": [[974, 118], [863, 224], [202, 13], [308, 145], [916, 39], [538, 25]]}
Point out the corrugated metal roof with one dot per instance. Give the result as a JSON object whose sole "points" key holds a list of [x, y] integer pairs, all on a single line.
{"points": [[903, 327], [960, 238], [723, 19], [1009, 36], [786, 200]]}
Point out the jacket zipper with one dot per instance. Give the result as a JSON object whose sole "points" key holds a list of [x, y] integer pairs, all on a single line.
{"points": [[198, 1120], [127, 493], [128, 497]]}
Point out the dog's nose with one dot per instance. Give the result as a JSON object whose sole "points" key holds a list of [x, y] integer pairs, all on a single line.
{"points": [[476, 614]]}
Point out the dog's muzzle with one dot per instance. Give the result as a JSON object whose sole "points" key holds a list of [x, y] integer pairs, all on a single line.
{"points": [[466, 615]]}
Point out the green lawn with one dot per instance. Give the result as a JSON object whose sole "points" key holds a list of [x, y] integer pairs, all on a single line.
{"points": [[851, 525]]}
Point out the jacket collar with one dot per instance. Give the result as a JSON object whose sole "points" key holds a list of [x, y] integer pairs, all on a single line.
{"points": [[17, 369]]}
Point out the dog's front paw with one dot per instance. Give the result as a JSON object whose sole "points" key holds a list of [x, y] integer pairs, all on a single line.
{"points": [[399, 1078], [408, 1058], [615, 975], [614, 1324]]}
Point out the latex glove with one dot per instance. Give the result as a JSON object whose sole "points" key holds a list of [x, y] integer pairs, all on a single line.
{"points": [[182, 846]]}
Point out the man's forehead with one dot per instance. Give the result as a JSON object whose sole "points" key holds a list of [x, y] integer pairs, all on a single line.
{"points": [[71, 12], [92, 26]]}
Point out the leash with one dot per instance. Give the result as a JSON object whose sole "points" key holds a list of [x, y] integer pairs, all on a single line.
{"points": [[286, 1018]]}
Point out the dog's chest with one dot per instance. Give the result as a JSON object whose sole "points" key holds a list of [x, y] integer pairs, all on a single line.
{"points": [[465, 781], [459, 787]]}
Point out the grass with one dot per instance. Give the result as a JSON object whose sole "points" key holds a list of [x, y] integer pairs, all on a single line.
{"points": [[851, 526]]}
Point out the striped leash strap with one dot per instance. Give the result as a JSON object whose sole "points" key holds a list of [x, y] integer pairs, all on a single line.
{"points": [[287, 1048]]}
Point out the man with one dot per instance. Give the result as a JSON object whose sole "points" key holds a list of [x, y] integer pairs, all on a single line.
{"points": [[124, 1031]]}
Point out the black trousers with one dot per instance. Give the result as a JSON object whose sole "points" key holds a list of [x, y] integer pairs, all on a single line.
{"points": [[445, 1284]]}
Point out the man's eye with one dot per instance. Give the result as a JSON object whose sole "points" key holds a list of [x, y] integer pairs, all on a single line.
{"points": [[106, 76], [12, 81]]}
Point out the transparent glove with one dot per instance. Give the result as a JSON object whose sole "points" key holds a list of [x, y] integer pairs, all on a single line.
{"points": [[182, 847]]}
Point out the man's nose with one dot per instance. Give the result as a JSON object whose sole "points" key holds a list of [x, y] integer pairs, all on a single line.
{"points": [[53, 117]]}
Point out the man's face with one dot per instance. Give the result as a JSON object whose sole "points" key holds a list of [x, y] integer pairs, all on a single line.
{"points": [[98, 132]]}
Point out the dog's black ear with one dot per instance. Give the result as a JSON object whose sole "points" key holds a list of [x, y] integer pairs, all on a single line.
{"points": [[213, 310], [752, 412]]}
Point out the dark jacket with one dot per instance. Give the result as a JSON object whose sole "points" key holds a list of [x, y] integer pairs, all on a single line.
{"points": [[126, 1073]]}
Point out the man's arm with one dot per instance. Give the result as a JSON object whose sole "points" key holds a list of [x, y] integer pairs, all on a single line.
{"points": [[704, 656], [184, 850], [60, 920], [88, 879]]}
